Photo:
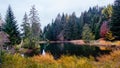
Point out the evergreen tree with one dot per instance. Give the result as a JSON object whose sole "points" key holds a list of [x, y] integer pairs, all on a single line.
{"points": [[11, 28], [64, 21], [47, 34], [115, 20], [74, 30], [68, 30], [35, 24], [71, 28], [97, 27], [57, 27], [81, 24], [25, 27]]}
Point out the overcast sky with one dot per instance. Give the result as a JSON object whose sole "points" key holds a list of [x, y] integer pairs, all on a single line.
{"points": [[48, 9]]}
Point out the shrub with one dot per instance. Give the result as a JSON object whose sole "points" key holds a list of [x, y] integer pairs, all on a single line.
{"points": [[114, 56], [47, 61], [109, 36], [13, 61], [27, 43], [75, 62], [44, 59]]}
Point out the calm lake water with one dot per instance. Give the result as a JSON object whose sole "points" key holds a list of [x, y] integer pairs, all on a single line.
{"points": [[58, 49]]}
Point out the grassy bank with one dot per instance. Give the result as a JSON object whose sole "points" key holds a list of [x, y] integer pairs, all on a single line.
{"points": [[105, 61]]}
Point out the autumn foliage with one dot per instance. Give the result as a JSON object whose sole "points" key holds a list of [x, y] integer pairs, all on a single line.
{"points": [[47, 61], [104, 29]]}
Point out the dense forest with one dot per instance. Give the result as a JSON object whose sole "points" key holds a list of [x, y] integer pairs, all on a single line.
{"points": [[91, 25]]}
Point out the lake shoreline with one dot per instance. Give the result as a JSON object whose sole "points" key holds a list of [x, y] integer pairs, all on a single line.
{"points": [[98, 43]]}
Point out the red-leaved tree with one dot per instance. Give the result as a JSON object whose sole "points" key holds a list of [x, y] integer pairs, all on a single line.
{"points": [[104, 29]]}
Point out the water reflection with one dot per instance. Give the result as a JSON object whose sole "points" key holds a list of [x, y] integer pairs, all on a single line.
{"points": [[43, 52], [58, 49]]}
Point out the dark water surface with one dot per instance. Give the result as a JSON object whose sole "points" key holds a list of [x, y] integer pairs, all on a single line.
{"points": [[58, 49]]}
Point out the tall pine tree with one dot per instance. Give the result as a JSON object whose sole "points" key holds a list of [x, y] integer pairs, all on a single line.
{"points": [[25, 27], [115, 20], [11, 28], [35, 23]]}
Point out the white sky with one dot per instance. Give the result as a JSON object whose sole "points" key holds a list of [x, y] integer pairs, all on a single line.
{"points": [[48, 9]]}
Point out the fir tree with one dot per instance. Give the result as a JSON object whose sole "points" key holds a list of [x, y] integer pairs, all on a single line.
{"points": [[75, 30], [25, 27], [35, 23], [115, 20], [11, 28], [57, 27]]}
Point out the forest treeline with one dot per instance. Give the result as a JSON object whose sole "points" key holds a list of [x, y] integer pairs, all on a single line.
{"points": [[91, 25], [95, 23]]}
